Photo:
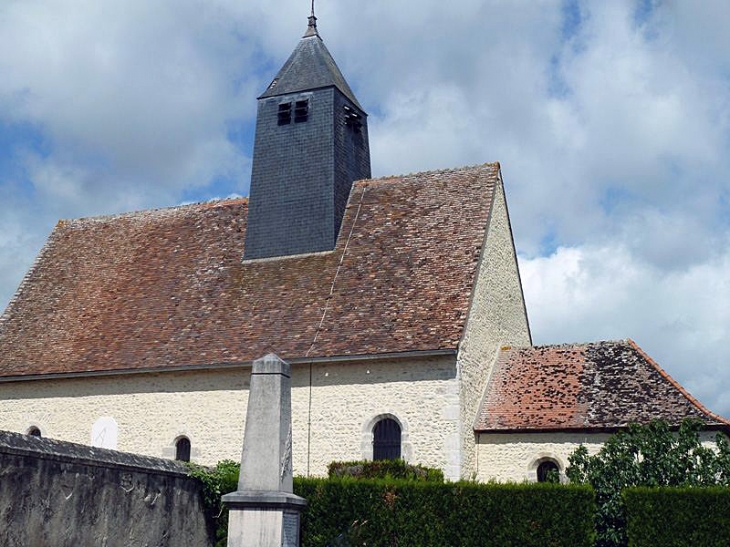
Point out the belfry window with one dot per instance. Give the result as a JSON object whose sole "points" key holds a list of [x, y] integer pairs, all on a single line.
{"points": [[284, 116], [182, 449], [548, 471], [353, 120], [386, 440], [301, 111], [33, 431]]}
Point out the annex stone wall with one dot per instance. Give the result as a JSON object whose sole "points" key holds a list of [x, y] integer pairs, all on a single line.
{"points": [[334, 407], [514, 457], [58, 494], [497, 317]]}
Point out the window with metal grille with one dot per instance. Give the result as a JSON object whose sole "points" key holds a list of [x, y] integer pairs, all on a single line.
{"points": [[182, 449], [284, 116], [386, 440], [301, 111], [546, 470], [34, 431]]}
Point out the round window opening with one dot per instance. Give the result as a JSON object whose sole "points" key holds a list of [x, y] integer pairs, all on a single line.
{"points": [[548, 471]]}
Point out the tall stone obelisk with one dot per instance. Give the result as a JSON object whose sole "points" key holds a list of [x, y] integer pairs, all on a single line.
{"points": [[264, 512]]}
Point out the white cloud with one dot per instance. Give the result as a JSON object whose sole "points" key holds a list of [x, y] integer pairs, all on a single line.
{"points": [[680, 317], [131, 91], [612, 130]]}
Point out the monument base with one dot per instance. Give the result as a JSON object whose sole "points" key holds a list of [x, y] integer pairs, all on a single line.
{"points": [[263, 519]]}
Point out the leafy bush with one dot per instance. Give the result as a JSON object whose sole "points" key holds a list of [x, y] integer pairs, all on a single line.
{"points": [[651, 456], [216, 482], [678, 517], [384, 469]]}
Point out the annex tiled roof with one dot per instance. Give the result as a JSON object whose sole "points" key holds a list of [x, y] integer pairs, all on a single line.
{"points": [[168, 288], [601, 385]]}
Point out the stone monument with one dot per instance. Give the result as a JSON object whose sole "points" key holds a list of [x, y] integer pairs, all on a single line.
{"points": [[264, 512]]}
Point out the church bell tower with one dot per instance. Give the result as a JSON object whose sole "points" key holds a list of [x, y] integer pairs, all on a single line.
{"points": [[311, 145]]}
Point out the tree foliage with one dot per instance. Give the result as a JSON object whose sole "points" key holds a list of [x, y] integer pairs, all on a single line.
{"points": [[646, 455]]}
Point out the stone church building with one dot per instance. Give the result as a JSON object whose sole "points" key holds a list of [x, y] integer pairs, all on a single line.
{"points": [[396, 300]]}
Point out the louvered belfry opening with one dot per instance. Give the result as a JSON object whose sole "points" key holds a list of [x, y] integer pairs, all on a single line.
{"points": [[386, 440]]}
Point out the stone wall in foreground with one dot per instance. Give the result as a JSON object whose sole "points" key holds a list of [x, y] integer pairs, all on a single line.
{"points": [[58, 494]]}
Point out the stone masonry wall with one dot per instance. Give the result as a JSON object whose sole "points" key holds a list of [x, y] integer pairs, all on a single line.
{"points": [[153, 410], [497, 318], [55, 494], [515, 456]]}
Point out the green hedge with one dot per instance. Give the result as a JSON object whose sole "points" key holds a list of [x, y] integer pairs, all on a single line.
{"points": [[419, 514], [349, 511], [677, 517], [384, 469]]}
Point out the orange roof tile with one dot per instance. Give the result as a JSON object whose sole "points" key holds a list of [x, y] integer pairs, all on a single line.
{"points": [[168, 288], [600, 385]]}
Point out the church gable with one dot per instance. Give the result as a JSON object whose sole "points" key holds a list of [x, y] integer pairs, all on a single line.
{"points": [[595, 386], [167, 289]]}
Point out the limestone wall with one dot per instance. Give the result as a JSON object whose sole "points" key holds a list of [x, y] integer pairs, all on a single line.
{"points": [[515, 456], [59, 494], [152, 410], [497, 317]]}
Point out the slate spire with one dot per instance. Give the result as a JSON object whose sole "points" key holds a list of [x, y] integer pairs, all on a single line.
{"points": [[311, 145], [309, 67]]}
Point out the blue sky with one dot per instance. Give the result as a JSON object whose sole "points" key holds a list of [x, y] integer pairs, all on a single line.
{"points": [[611, 121]]}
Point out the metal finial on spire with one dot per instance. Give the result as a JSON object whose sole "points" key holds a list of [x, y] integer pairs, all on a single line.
{"points": [[312, 28]]}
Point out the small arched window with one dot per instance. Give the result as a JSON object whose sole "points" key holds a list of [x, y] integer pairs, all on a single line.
{"points": [[548, 471], [182, 449], [34, 431], [386, 440]]}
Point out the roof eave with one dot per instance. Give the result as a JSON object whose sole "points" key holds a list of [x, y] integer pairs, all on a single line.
{"points": [[585, 429], [392, 356]]}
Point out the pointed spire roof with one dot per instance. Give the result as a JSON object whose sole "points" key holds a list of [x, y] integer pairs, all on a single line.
{"points": [[309, 67]]}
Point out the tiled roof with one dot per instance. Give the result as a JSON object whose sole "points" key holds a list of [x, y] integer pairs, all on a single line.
{"points": [[168, 288], [601, 385]]}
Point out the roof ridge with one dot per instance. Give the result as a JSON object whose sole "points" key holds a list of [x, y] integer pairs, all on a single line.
{"points": [[210, 203], [412, 175], [677, 385], [566, 345]]}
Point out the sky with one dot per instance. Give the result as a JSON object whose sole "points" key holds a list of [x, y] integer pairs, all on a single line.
{"points": [[611, 122]]}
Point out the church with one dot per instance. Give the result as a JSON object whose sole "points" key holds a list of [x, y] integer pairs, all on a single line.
{"points": [[397, 301]]}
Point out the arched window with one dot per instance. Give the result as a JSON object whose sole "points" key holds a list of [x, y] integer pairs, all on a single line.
{"points": [[182, 449], [34, 431], [548, 471], [386, 440]]}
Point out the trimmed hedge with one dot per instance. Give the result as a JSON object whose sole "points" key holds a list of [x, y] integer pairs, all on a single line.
{"points": [[678, 517], [387, 512], [384, 469], [398, 513]]}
